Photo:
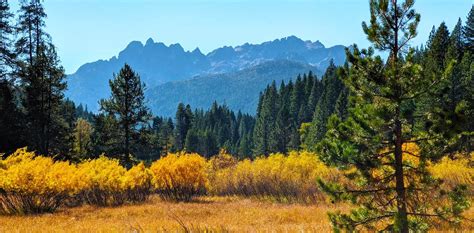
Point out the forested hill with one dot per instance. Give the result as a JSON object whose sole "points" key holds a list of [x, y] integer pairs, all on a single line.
{"points": [[158, 64], [238, 90]]}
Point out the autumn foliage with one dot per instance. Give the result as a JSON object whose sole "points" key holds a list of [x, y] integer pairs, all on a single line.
{"points": [[180, 176], [455, 171], [32, 184], [279, 177], [105, 182]]}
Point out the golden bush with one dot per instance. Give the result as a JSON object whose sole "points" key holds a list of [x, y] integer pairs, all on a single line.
{"points": [[455, 172], [137, 183], [34, 184], [105, 182], [180, 176], [221, 161], [284, 178], [452, 170]]}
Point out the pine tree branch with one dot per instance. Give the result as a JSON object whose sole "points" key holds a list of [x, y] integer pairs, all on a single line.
{"points": [[426, 90], [366, 191], [369, 220]]}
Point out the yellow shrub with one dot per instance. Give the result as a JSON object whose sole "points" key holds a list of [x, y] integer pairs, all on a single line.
{"points": [[33, 184], [30, 184], [221, 161], [285, 178], [137, 183], [105, 182], [102, 173], [138, 177], [180, 176], [455, 172]]}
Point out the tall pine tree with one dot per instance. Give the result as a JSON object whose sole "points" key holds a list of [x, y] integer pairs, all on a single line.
{"points": [[392, 186], [127, 104], [332, 86], [266, 137], [184, 119], [469, 31], [42, 80], [11, 118]]}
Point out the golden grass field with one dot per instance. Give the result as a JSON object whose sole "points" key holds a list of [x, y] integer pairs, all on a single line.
{"points": [[209, 214]]}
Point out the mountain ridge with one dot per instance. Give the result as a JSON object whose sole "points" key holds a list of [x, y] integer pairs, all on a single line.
{"points": [[238, 90], [158, 63]]}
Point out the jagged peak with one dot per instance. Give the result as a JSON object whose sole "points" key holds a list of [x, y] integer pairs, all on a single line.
{"points": [[134, 44], [314, 45], [177, 46], [292, 38], [197, 51], [149, 42]]}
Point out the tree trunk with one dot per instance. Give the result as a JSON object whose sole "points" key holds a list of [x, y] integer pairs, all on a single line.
{"points": [[402, 218], [127, 143]]}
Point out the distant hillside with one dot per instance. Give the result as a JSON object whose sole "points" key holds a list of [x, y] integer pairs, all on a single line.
{"points": [[158, 64], [238, 90]]}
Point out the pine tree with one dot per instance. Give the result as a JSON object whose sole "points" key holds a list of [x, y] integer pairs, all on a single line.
{"points": [[342, 104], [431, 37], [465, 108], [146, 146], [157, 127], [11, 118], [105, 136], [449, 103], [209, 145], [454, 86], [127, 104], [184, 118], [192, 142], [390, 189], [245, 146], [245, 132], [469, 31], [12, 134], [307, 108], [313, 98], [438, 48], [456, 44], [82, 112], [286, 128], [266, 137], [68, 118], [332, 86], [42, 79], [166, 137], [297, 98], [7, 55]]}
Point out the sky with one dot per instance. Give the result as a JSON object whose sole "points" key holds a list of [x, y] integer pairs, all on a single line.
{"points": [[89, 30]]}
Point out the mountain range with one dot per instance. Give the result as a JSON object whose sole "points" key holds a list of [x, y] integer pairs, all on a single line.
{"points": [[231, 75]]}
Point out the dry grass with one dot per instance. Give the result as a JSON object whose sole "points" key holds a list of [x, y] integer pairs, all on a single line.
{"points": [[211, 214]]}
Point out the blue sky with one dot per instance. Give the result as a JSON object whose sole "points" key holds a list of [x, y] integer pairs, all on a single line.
{"points": [[88, 30]]}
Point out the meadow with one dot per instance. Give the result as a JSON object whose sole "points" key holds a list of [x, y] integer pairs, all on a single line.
{"points": [[210, 214], [182, 193]]}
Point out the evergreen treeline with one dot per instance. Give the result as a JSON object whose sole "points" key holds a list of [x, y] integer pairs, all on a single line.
{"points": [[295, 115], [34, 111], [292, 116], [219, 128], [448, 57]]}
